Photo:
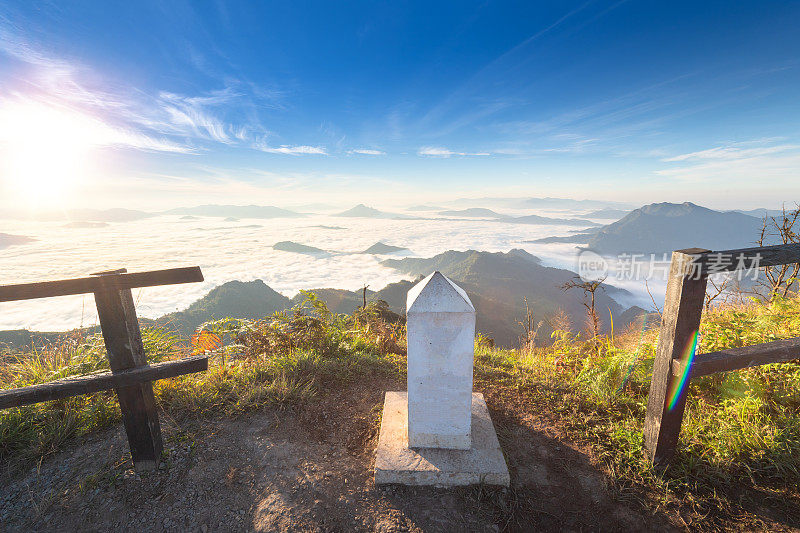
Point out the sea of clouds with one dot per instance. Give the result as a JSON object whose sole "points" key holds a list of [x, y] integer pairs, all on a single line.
{"points": [[242, 250]]}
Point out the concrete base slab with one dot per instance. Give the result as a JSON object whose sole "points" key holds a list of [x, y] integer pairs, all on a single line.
{"points": [[395, 462]]}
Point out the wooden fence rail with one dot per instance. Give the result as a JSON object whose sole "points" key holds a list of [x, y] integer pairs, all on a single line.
{"points": [[88, 384], [131, 377], [115, 278], [675, 363]]}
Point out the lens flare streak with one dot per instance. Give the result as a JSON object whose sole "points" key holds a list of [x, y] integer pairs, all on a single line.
{"points": [[683, 382]]}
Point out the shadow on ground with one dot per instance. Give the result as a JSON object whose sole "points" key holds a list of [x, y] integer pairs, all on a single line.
{"points": [[309, 469]]}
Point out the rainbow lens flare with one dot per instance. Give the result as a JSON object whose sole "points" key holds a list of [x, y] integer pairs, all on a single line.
{"points": [[683, 382]]}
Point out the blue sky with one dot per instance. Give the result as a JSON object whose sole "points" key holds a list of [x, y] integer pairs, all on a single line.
{"points": [[173, 103]]}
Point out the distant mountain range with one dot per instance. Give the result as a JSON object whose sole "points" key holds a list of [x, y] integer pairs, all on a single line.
{"points": [[236, 211], [536, 219], [378, 248], [497, 283], [616, 214], [79, 215], [569, 203], [559, 204], [424, 208], [312, 207], [107, 215], [362, 211], [482, 212], [476, 207], [86, 225], [477, 212], [7, 240], [761, 213], [664, 227]]}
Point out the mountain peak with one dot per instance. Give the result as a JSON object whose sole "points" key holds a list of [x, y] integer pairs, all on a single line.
{"points": [[668, 209], [663, 227], [363, 211]]}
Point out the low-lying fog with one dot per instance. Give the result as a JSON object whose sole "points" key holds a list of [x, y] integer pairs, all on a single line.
{"points": [[242, 250]]}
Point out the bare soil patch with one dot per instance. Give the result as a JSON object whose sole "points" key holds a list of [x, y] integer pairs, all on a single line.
{"points": [[309, 468]]}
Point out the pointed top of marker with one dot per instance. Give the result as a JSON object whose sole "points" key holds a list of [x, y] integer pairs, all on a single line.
{"points": [[438, 294]]}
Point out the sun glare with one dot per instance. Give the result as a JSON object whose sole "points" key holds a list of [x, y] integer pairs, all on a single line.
{"points": [[45, 151]]}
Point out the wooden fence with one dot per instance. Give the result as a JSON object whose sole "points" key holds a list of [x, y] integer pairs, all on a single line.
{"points": [[675, 362], [131, 377]]}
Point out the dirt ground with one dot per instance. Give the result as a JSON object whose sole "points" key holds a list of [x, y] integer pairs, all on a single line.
{"points": [[310, 469]]}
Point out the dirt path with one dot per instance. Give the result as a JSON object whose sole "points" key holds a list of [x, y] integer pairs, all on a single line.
{"points": [[307, 470]]}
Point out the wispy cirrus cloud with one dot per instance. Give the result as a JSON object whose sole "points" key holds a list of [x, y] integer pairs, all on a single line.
{"points": [[765, 160], [437, 151], [13, 45], [31, 121], [734, 151], [292, 150], [52, 93], [164, 121], [56, 92], [190, 117], [366, 151]]}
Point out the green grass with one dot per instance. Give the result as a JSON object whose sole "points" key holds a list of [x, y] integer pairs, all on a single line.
{"points": [[740, 436], [739, 444], [280, 360]]}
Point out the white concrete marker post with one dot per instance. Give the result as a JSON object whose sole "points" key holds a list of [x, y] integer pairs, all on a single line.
{"points": [[441, 347], [439, 432]]}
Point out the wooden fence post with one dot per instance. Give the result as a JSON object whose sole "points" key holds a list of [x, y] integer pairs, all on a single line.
{"points": [[683, 307], [123, 340]]}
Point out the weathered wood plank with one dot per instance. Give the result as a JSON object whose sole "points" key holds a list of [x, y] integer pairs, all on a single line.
{"points": [[738, 358], [46, 289], [680, 320], [745, 258], [76, 386], [170, 276], [125, 350]]}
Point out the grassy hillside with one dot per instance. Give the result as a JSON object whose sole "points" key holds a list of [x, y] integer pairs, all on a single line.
{"points": [[240, 299], [501, 285], [739, 453], [739, 447]]}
